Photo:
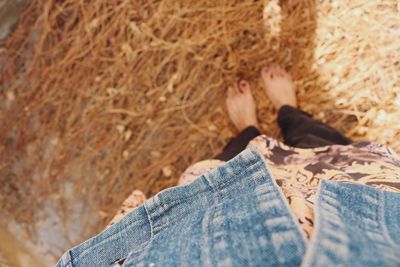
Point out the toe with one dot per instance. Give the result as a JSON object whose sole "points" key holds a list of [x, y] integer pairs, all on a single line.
{"points": [[270, 74], [281, 72], [230, 91], [266, 73], [236, 89], [265, 70], [277, 70], [244, 86]]}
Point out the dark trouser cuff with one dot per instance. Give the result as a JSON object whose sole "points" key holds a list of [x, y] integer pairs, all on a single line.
{"points": [[238, 143]]}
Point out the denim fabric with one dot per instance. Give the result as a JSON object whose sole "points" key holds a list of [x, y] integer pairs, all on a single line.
{"points": [[356, 225], [236, 215]]}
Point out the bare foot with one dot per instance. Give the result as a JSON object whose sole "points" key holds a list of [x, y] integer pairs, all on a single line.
{"points": [[279, 86], [241, 106]]}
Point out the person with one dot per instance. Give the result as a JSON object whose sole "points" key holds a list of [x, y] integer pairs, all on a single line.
{"points": [[313, 158], [311, 150]]}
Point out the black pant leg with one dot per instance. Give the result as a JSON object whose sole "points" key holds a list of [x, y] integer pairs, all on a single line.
{"points": [[299, 129], [238, 143]]}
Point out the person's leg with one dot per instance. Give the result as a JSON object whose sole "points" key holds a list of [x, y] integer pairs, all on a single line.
{"points": [[238, 143], [242, 112], [299, 129]]}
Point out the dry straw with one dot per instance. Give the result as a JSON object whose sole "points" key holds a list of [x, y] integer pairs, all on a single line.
{"points": [[104, 95]]}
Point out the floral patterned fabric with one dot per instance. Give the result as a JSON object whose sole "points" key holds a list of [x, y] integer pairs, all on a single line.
{"points": [[298, 172]]}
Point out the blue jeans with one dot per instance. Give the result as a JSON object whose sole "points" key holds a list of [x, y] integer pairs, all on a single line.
{"points": [[236, 215]]}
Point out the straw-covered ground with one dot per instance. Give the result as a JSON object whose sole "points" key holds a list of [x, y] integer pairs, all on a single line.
{"points": [[102, 97]]}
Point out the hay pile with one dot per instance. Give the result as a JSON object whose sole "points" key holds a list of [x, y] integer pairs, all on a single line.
{"points": [[116, 95]]}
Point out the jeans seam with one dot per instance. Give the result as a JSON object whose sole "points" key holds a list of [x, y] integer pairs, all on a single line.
{"points": [[145, 245], [223, 184], [150, 224], [270, 181], [69, 262], [308, 258], [213, 191], [212, 187]]}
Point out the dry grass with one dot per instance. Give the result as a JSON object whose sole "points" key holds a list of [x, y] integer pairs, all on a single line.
{"points": [[104, 94]]}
